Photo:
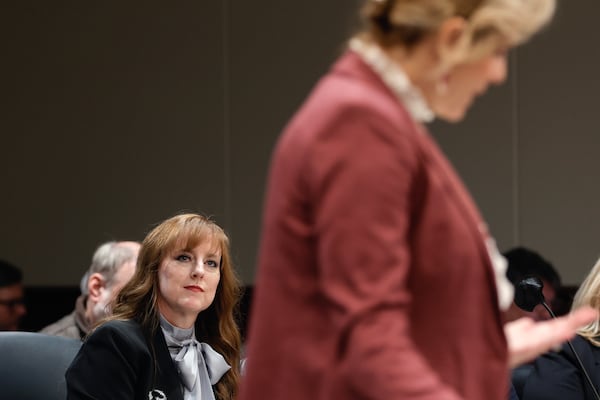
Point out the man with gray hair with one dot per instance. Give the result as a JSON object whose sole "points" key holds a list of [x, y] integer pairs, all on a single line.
{"points": [[113, 264]]}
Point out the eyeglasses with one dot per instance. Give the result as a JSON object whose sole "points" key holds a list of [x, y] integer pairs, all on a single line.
{"points": [[12, 303]]}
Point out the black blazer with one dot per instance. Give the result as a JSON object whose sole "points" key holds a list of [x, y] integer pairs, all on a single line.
{"points": [[116, 363], [556, 375]]}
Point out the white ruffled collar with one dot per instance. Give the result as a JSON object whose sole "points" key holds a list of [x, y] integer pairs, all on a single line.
{"points": [[395, 78]]}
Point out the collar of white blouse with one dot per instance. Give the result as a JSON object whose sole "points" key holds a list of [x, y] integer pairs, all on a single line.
{"points": [[395, 79]]}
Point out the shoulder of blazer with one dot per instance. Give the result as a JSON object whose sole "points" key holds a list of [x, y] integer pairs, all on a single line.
{"points": [[563, 361], [153, 359], [121, 327], [127, 335], [585, 350], [589, 355], [131, 333]]}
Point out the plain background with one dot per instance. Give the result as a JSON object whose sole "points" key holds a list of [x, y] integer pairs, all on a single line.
{"points": [[117, 115]]}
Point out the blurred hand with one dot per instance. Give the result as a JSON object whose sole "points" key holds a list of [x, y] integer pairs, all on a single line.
{"points": [[528, 339]]}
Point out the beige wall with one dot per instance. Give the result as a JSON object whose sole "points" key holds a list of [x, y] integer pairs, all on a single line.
{"points": [[120, 114]]}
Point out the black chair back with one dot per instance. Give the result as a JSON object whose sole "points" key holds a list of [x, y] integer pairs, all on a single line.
{"points": [[33, 365]]}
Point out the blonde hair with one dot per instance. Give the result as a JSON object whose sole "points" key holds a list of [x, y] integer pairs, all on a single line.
{"points": [[216, 325], [491, 24], [588, 294]]}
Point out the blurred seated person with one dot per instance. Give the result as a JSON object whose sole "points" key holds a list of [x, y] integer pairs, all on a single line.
{"points": [[557, 375], [113, 265], [172, 333], [564, 299], [524, 263], [12, 304]]}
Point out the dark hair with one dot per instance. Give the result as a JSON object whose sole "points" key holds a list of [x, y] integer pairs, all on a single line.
{"points": [[523, 262], [9, 274]]}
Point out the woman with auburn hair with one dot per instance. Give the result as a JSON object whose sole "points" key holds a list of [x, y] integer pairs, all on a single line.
{"points": [[557, 375], [172, 334], [377, 277]]}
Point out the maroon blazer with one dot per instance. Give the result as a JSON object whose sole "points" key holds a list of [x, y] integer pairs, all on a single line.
{"points": [[374, 281]]}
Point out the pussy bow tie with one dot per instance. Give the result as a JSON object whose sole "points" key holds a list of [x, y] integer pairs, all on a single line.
{"points": [[187, 362], [195, 358]]}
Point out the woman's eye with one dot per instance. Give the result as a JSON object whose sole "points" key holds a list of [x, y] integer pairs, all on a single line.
{"points": [[212, 264], [183, 257]]}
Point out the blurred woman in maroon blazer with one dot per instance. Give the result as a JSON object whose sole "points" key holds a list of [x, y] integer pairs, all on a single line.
{"points": [[377, 277]]}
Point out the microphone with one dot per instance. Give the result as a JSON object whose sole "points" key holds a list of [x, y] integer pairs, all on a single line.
{"points": [[528, 294]]}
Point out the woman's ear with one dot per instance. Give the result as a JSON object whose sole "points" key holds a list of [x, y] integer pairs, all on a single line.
{"points": [[449, 41], [450, 32]]}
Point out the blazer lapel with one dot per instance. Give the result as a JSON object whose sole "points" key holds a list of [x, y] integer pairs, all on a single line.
{"points": [[167, 379], [464, 202]]}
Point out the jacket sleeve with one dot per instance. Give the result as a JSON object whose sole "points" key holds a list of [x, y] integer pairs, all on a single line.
{"points": [[107, 366], [363, 194]]}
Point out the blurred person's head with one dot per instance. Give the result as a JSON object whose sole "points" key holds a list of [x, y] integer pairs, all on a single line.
{"points": [[524, 263], [588, 294], [452, 50], [12, 302], [113, 265], [185, 273]]}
